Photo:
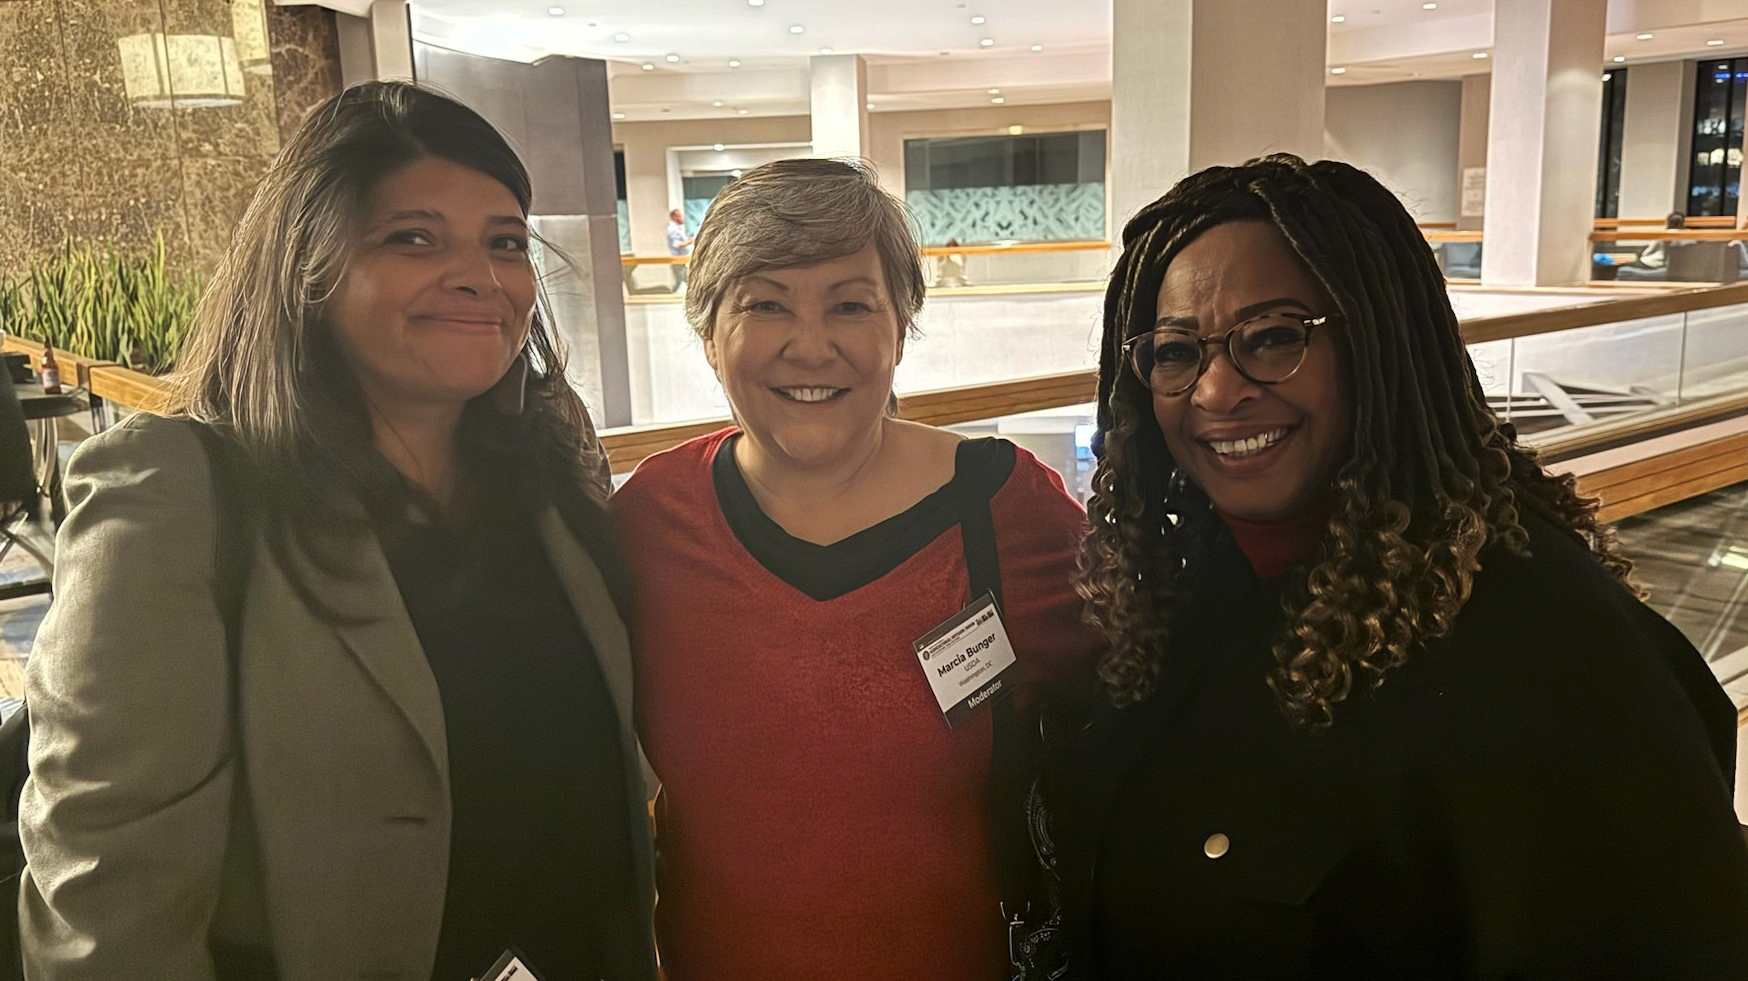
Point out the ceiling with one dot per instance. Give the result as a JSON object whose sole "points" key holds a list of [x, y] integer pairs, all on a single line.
{"points": [[715, 58]]}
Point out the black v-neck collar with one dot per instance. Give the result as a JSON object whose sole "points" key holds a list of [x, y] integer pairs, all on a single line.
{"points": [[823, 572]]}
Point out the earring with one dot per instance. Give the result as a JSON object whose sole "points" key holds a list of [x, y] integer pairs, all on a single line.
{"points": [[1177, 485], [510, 392]]}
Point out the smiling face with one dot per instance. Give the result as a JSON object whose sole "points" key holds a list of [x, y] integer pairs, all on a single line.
{"points": [[806, 355], [1260, 452], [438, 292]]}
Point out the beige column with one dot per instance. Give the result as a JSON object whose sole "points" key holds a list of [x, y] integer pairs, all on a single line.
{"points": [[1544, 122], [1651, 140], [840, 105], [1472, 152], [555, 114], [377, 45], [1201, 82]]}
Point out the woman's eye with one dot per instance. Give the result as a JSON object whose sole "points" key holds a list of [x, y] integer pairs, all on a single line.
{"points": [[762, 306], [409, 236], [511, 243], [1276, 338], [1176, 352], [853, 307]]}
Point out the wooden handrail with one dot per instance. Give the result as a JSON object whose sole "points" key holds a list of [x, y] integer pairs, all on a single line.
{"points": [[628, 446], [1670, 235], [1693, 221], [1533, 322], [1011, 248]]}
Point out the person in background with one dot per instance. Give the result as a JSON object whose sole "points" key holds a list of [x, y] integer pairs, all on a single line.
{"points": [[819, 816], [679, 244], [950, 268], [1380, 701], [1653, 262], [402, 742]]}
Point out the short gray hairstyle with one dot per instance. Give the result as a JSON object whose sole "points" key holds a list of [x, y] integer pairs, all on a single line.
{"points": [[796, 212]]}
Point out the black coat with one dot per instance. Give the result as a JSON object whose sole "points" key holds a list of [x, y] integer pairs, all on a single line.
{"points": [[1544, 793]]}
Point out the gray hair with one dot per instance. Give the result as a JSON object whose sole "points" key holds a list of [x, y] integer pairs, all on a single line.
{"points": [[796, 212]]}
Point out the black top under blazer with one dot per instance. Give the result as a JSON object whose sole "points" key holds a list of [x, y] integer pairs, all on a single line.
{"points": [[1544, 793]]}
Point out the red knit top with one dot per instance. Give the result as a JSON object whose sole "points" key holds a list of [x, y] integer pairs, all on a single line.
{"points": [[819, 818]]}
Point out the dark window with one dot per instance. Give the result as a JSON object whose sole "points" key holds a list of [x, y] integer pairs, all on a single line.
{"points": [[619, 173], [1608, 170], [1004, 161], [1720, 94]]}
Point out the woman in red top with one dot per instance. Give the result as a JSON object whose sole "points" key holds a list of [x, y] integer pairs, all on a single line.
{"points": [[820, 817]]}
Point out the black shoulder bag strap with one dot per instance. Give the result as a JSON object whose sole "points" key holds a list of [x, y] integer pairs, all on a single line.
{"points": [[1008, 777]]}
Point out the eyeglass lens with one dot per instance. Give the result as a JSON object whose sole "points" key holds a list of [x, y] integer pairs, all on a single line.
{"points": [[1265, 349]]}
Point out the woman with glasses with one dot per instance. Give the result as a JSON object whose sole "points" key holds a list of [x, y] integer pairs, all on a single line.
{"points": [[1380, 701], [818, 677]]}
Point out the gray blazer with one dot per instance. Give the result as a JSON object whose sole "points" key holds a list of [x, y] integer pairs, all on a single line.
{"points": [[334, 851]]}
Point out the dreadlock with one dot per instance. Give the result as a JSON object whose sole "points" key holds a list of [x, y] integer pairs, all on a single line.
{"points": [[1432, 474]]}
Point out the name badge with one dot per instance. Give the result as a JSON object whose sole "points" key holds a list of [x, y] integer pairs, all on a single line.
{"points": [[509, 967], [967, 659]]}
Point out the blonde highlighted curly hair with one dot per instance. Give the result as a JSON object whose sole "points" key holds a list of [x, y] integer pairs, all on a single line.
{"points": [[1432, 475]]}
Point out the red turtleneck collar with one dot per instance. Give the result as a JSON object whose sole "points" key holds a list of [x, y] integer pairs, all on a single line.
{"points": [[1273, 547]]}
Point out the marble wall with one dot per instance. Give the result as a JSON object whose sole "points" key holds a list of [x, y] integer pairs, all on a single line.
{"points": [[80, 159]]}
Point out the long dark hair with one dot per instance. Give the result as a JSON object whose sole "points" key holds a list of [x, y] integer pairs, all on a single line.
{"points": [[262, 364], [1432, 475]]}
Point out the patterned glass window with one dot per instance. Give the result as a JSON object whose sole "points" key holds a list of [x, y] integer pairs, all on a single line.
{"points": [[1047, 187]]}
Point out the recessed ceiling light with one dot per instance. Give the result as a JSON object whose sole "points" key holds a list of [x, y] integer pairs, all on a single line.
{"points": [[998, 100], [673, 59], [1429, 6], [555, 11], [870, 107], [987, 42], [717, 104], [1016, 129], [1607, 75], [1619, 58], [618, 115], [995, 91], [735, 172], [1338, 71], [621, 38], [978, 19], [796, 29], [742, 112], [734, 62], [1643, 37], [648, 67], [1037, 47], [1479, 55], [717, 147], [826, 51], [755, 3], [1338, 19], [1714, 42]]}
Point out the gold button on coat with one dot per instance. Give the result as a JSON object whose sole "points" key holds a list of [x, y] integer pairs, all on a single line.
{"points": [[1216, 845]]}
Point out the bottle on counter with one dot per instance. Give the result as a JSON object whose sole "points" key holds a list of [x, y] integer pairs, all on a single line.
{"points": [[51, 371]]}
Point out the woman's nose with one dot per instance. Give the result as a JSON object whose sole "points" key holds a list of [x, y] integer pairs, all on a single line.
{"points": [[809, 339], [1222, 388], [472, 270]]}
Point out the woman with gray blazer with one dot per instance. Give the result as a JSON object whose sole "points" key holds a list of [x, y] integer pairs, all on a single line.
{"points": [[416, 754]]}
